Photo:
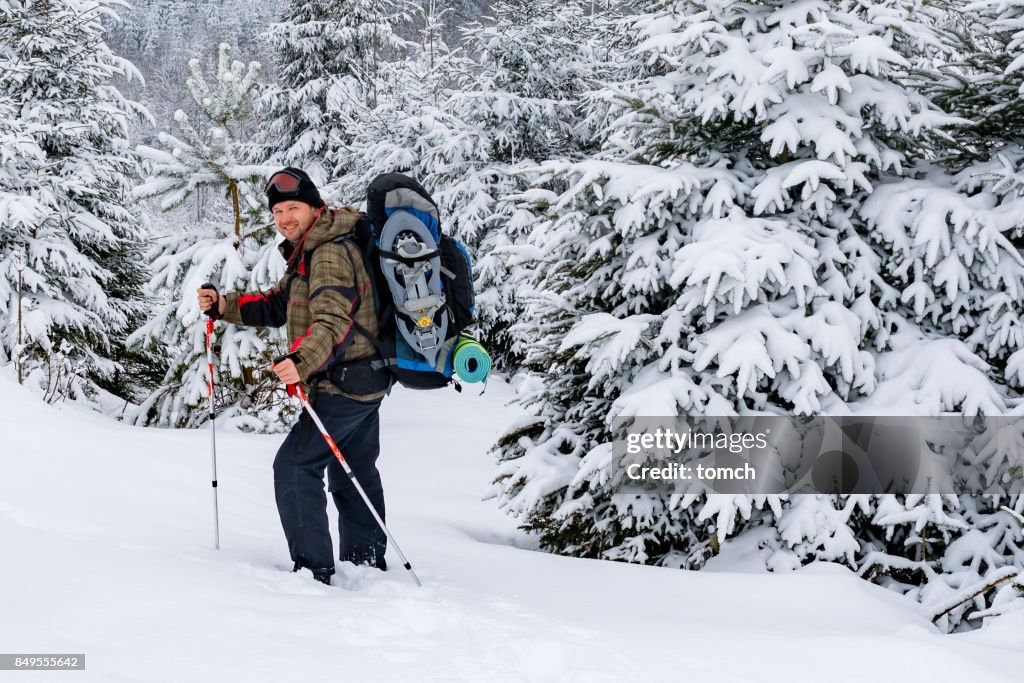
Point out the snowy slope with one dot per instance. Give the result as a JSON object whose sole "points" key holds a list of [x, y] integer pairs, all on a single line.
{"points": [[108, 551]]}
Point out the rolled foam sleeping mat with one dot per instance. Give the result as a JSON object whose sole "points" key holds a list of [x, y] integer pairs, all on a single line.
{"points": [[471, 361]]}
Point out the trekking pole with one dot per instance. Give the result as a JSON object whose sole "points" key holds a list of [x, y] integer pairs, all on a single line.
{"points": [[210, 313], [296, 390]]}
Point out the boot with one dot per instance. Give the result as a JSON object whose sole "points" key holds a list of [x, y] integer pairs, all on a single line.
{"points": [[321, 575]]}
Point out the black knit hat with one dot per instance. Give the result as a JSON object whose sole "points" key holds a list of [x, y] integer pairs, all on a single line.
{"points": [[303, 190]]}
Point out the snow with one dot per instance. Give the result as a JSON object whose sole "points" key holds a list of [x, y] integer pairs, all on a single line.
{"points": [[108, 533]]}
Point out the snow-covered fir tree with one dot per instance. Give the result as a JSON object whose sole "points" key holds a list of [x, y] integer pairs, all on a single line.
{"points": [[764, 230], [408, 129], [520, 104], [70, 232], [329, 56], [234, 248], [981, 208]]}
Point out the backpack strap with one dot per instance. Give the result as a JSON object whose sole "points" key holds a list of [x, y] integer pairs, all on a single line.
{"points": [[408, 260], [368, 255], [383, 362]]}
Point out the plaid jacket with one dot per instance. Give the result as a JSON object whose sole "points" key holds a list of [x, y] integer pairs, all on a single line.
{"points": [[317, 306]]}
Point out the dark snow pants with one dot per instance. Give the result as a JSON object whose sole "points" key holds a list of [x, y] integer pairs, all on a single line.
{"points": [[299, 484]]}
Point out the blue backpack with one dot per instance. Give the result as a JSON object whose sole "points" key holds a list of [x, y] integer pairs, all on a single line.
{"points": [[422, 282]]}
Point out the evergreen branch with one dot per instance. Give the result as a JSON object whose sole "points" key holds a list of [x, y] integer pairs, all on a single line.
{"points": [[1003, 575]]}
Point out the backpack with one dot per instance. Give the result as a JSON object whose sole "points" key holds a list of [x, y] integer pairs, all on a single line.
{"points": [[422, 282]]}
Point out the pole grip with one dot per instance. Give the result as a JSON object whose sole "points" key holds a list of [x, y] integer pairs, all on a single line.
{"points": [[213, 312], [290, 388]]}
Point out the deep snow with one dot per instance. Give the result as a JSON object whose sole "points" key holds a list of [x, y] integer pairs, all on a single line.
{"points": [[108, 551]]}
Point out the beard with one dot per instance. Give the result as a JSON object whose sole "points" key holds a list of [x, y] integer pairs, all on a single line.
{"points": [[291, 231]]}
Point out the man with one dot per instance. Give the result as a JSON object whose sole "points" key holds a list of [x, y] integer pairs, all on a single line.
{"points": [[326, 302]]}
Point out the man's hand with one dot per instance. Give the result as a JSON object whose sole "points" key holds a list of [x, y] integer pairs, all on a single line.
{"points": [[207, 297], [286, 371]]}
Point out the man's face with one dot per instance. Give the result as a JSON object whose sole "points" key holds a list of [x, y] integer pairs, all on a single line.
{"points": [[293, 219]]}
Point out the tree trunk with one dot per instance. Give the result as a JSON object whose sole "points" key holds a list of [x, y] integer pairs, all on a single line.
{"points": [[238, 213]]}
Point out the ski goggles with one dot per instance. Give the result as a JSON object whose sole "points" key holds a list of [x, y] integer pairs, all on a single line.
{"points": [[285, 182]]}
